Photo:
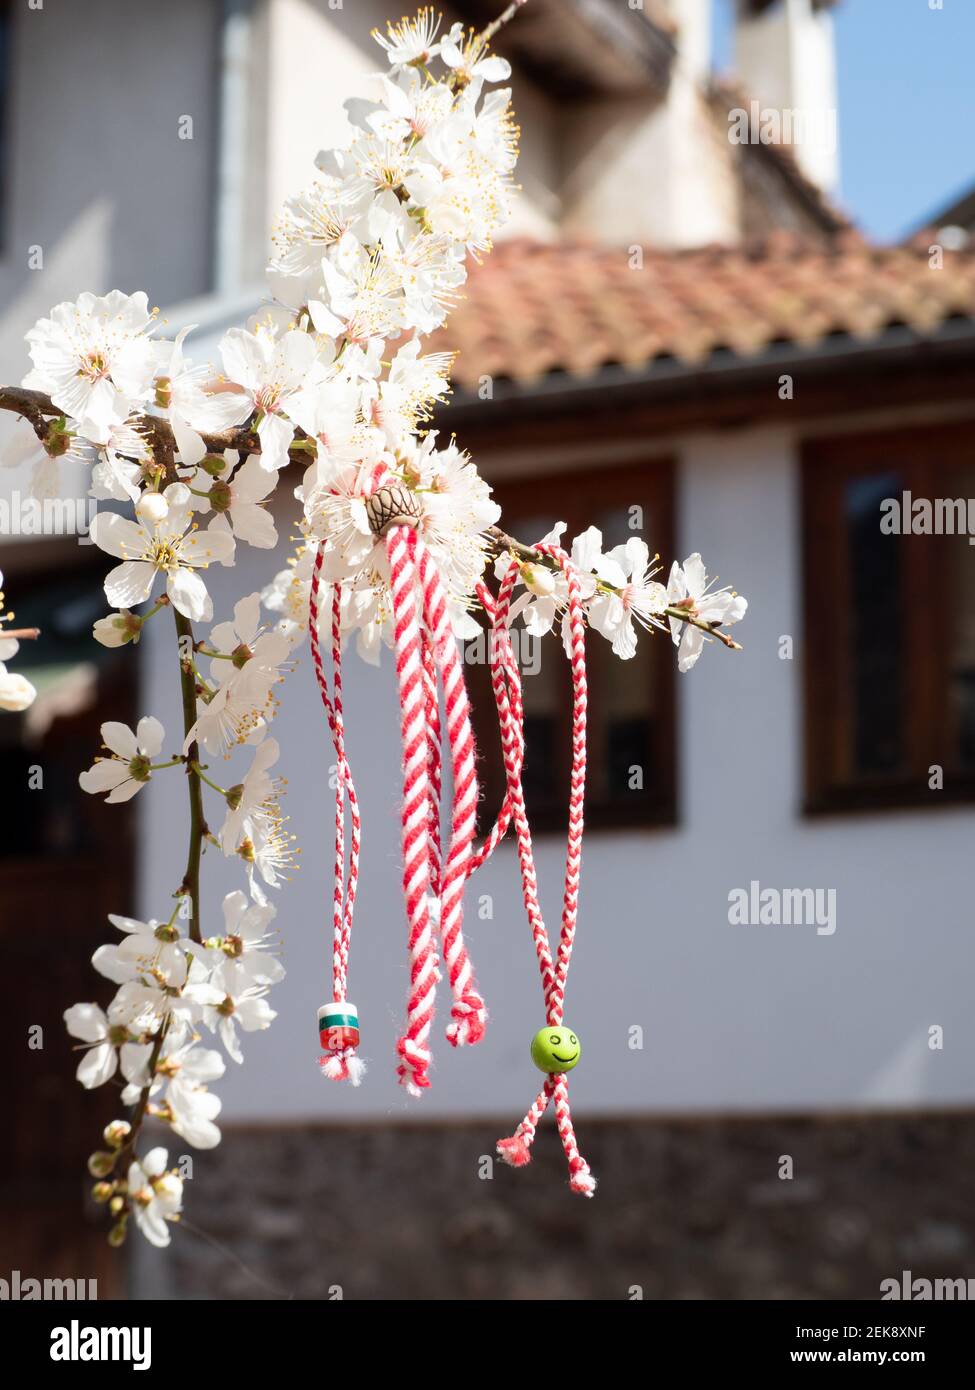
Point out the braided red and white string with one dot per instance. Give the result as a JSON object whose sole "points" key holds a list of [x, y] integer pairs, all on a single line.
{"points": [[504, 672], [342, 1065], [417, 811], [426, 657], [516, 1149], [468, 1014]]}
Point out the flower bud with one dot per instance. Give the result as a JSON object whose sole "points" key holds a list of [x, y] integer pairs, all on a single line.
{"points": [[538, 579], [117, 629], [101, 1163], [116, 1205], [116, 1133], [59, 437], [16, 693], [116, 1235], [221, 498], [152, 508], [102, 1192]]}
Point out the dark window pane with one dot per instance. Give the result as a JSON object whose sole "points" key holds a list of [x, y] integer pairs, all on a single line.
{"points": [[79, 684], [541, 768], [630, 715], [961, 676], [627, 757], [876, 635]]}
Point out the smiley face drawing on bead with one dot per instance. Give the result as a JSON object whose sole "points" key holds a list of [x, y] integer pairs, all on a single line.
{"points": [[555, 1049]]}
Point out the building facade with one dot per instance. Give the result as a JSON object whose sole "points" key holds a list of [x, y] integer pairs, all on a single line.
{"points": [[683, 339]]}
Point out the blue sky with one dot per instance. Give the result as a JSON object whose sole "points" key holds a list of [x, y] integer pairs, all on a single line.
{"points": [[906, 107]]}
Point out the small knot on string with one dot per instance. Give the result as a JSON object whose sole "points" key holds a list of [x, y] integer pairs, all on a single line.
{"points": [[469, 1015], [414, 1066]]}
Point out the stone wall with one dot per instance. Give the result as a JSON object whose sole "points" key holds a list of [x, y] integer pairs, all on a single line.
{"points": [[686, 1209]]}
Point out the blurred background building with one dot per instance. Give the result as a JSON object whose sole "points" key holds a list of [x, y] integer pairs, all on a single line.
{"points": [[684, 321]]}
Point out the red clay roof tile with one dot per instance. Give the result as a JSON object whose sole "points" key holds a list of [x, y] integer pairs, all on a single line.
{"points": [[533, 308]]}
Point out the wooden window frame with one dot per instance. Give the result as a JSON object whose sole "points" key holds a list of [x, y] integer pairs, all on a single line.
{"points": [[576, 497], [923, 455]]}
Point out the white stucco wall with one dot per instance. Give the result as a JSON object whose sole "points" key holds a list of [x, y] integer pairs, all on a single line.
{"points": [[733, 1017], [98, 177], [102, 193], [786, 59]]}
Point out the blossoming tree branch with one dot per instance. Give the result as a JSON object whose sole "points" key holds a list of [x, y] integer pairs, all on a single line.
{"points": [[400, 537]]}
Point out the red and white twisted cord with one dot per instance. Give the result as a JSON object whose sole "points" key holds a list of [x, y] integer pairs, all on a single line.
{"points": [[516, 1149], [413, 1046], [577, 785], [504, 671], [342, 1065], [434, 734], [468, 1012]]}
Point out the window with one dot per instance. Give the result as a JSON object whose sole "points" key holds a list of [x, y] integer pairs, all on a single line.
{"points": [[79, 684], [890, 618], [66, 861], [631, 774]]}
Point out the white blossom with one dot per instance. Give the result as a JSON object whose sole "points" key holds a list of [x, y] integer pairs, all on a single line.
{"points": [[174, 547], [412, 42], [270, 371], [129, 767], [191, 1111], [176, 1059], [638, 600], [687, 588], [16, 691], [155, 1196], [94, 358], [241, 1005], [90, 1024], [238, 502], [244, 949]]}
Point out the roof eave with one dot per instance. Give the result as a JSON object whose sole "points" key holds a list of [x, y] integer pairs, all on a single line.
{"points": [[719, 378]]}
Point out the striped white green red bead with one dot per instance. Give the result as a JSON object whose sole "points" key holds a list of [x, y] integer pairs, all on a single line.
{"points": [[338, 1026]]}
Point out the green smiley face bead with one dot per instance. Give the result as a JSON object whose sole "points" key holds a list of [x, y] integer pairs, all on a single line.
{"points": [[555, 1049]]}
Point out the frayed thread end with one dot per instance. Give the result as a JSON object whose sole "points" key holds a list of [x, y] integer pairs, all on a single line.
{"points": [[583, 1182], [342, 1066], [514, 1151]]}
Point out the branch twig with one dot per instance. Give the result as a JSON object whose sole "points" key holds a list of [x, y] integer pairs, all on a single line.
{"points": [[39, 410], [528, 552], [34, 406], [198, 829], [488, 33]]}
